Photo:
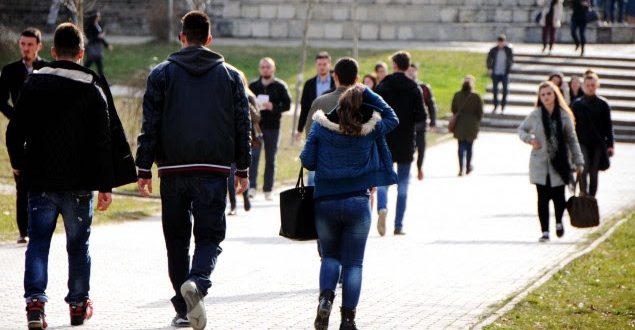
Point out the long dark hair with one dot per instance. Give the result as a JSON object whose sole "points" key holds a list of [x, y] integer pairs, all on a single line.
{"points": [[349, 113]]}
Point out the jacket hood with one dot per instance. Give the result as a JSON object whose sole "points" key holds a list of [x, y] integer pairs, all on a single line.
{"points": [[332, 123], [72, 71], [196, 60], [398, 81]]}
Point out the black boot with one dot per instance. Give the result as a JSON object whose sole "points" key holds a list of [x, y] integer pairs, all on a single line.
{"points": [[324, 310], [348, 319]]}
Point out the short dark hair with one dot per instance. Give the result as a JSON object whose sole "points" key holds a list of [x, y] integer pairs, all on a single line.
{"points": [[32, 32], [68, 40], [401, 59], [501, 37], [414, 66], [380, 65], [323, 55], [196, 27], [346, 70]]}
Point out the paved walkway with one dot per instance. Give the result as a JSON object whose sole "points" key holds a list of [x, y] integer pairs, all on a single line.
{"points": [[471, 243]]}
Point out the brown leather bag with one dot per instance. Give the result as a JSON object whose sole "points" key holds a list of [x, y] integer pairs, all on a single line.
{"points": [[583, 210]]}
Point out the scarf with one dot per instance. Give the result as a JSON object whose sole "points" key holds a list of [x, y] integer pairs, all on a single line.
{"points": [[556, 145]]}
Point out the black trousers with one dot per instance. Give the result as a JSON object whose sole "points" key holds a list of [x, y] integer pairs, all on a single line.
{"points": [[548, 36], [420, 141], [99, 62], [589, 179], [547, 193], [21, 205]]}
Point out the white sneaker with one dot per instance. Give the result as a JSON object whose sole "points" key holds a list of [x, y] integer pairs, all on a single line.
{"points": [[268, 196], [381, 222], [251, 192], [195, 307]]}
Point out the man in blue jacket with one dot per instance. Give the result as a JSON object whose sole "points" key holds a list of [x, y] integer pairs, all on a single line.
{"points": [[195, 125]]}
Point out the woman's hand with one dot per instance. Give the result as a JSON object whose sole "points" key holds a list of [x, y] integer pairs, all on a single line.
{"points": [[535, 144]]}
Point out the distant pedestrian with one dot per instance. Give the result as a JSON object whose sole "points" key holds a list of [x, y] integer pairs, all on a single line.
{"points": [[256, 141], [323, 82], [381, 70], [467, 105], [339, 141], [575, 89], [609, 11], [11, 80], [370, 81], [557, 78], [550, 20], [595, 132], [499, 63], [62, 139], [194, 130], [550, 130], [273, 97], [96, 43], [405, 97], [430, 105], [579, 23]]}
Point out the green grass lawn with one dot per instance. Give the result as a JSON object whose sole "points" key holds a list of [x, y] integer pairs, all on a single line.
{"points": [[596, 291]]}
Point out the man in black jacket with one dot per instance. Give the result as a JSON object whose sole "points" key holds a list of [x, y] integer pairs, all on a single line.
{"points": [[195, 125], [595, 133], [322, 82], [499, 62], [60, 139], [405, 97], [273, 99], [430, 105], [11, 80]]}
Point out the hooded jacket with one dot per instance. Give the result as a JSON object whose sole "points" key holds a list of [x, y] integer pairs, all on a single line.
{"points": [[195, 117], [61, 135], [404, 96], [346, 164]]}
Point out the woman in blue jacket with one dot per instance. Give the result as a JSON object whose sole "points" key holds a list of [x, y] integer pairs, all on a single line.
{"points": [[347, 149]]}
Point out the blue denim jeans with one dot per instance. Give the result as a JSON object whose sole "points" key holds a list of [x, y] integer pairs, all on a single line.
{"points": [[578, 26], [609, 11], [403, 173], [500, 79], [342, 226], [76, 208], [270, 141], [310, 180], [204, 199], [465, 154]]}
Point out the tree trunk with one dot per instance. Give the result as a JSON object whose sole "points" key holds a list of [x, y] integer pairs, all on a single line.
{"points": [[355, 30], [79, 6]]}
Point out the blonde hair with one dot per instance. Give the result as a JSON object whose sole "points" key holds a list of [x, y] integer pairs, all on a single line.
{"points": [[562, 104], [268, 60]]}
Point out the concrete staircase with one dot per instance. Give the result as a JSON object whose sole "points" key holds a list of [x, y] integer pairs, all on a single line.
{"points": [[617, 80]]}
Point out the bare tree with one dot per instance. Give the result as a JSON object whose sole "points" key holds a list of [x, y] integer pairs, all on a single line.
{"points": [[355, 19]]}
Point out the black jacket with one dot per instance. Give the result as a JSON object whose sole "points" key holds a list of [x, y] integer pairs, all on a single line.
{"points": [[11, 80], [491, 58], [404, 96], [278, 95], [309, 94], [195, 117], [593, 121], [61, 135]]}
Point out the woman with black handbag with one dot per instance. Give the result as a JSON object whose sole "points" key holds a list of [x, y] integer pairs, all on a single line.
{"points": [[550, 130], [347, 149]]}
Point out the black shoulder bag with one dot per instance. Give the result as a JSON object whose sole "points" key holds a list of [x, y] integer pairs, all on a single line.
{"points": [[297, 215]]}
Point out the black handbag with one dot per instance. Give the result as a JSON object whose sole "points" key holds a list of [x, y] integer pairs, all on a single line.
{"points": [[592, 16], [297, 215], [583, 210]]}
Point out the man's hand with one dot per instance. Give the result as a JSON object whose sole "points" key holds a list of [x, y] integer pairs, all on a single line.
{"points": [[145, 187], [16, 172], [611, 151], [298, 136], [489, 72], [267, 106], [420, 175], [241, 184], [103, 201]]}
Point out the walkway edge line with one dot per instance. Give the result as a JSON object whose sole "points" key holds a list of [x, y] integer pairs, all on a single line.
{"points": [[547, 276]]}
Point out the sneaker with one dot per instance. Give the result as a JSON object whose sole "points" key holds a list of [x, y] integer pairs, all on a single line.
{"points": [[232, 211], [559, 230], [268, 196], [544, 238], [81, 312], [251, 192], [469, 170], [195, 306], [35, 314], [21, 240], [461, 173], [494, 110], [399, 232], [381, 222], [180, 321]]}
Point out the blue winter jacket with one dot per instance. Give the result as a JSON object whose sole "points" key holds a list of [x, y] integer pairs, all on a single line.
{"points": [[347, 164]]}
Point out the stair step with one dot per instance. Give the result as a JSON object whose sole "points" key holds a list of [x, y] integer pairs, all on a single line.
{"points": [[530, 77], [619, 58], [621, 118], [546, 70], [532, 89], [530, 100], [579, 62]]}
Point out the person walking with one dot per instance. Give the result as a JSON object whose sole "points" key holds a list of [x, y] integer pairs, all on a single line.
{"points": [[575, 89], [550, 20], [370, 81], [11, 80], [557, 78], [96, 42], [61, 140], [430, 105], [381, 70], [353, 132], [322, 82], [467, 106], [499, 62], [273, 99], [578, 23], [195, 125], [609, 11], [595, 132], [405, 97], [550, 130]]}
